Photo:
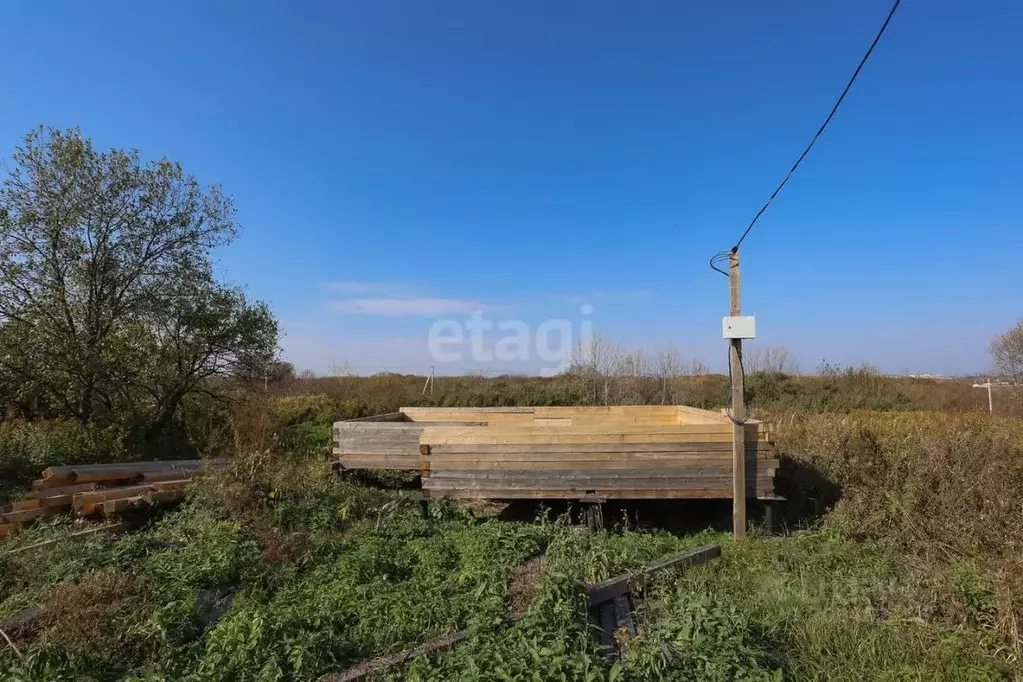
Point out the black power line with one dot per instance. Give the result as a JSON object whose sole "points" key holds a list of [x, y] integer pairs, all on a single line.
{"points": [[718, 257]]}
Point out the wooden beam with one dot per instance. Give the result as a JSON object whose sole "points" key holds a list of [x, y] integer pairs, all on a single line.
{"points": [[555, 449], [607, 590], [16, 517], [388, 417], [64, 490], [111, 527], [19, 505], [722, 491], [85, 500], [366, 669], [60, 476]]}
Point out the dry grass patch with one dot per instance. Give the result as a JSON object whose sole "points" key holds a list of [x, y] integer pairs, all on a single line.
{"points": [[524, 584], [945, 488], [84, 614]]}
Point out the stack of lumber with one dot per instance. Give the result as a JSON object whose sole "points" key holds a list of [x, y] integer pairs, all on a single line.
{"points": [[621, 452], [386, 441], [86, 489], [685, 461]]}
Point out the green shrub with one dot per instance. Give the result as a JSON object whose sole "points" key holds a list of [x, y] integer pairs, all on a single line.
{"points": [[700, 635], [28, 447], [976, 591]]}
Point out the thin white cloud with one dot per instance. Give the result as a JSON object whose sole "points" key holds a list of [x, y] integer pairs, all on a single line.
{"points": [[605, 296], [399, 299], [352, 288], [406, 307]]}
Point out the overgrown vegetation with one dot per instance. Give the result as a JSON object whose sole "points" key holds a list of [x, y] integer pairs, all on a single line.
{"points": [[274, 570], [117, 342], [830, 389], [944, 490], [309, 575]]}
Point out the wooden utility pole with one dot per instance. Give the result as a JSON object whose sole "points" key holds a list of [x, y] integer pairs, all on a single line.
{"points": [[430, 380], [738, 405], [990, 400]]}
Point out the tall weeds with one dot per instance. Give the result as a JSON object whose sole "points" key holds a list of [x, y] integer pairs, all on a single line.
{"points": [[947, 489]]}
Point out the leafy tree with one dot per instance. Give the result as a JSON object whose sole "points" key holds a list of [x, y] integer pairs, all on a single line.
{"points": [[1007, 352], [108, 303]]}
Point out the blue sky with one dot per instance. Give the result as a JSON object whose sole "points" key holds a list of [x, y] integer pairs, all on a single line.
{"points": [[397, 162]]}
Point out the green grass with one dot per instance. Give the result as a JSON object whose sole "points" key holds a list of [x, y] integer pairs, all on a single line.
{"points": [[815, 606], [273, 570], [826, 607], [373, 576]]}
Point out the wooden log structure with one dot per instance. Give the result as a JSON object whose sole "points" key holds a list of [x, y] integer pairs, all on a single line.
{"points": [[387, 441], [620, 452]]}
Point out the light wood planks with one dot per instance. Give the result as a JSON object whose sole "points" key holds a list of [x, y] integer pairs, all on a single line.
{"points": [[607, 417], [614, 448], [588, 463], [722, 493], [453, 435], [41, 492], [562, 452], [492, 415], [61, 476], [87, 489]]}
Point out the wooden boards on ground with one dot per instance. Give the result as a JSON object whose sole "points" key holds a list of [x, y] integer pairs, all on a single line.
{"points": [[87, 489], [61, 476]]}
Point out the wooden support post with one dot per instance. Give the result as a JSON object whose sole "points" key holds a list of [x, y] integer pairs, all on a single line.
{"points": [[769, 508], [738, 405], [594, 515], [608, 622]]}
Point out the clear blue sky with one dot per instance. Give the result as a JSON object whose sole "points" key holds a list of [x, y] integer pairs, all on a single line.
{"points": [[396, 161]]}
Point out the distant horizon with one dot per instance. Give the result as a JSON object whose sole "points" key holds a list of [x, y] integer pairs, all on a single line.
{"points": [[348, 370]]}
